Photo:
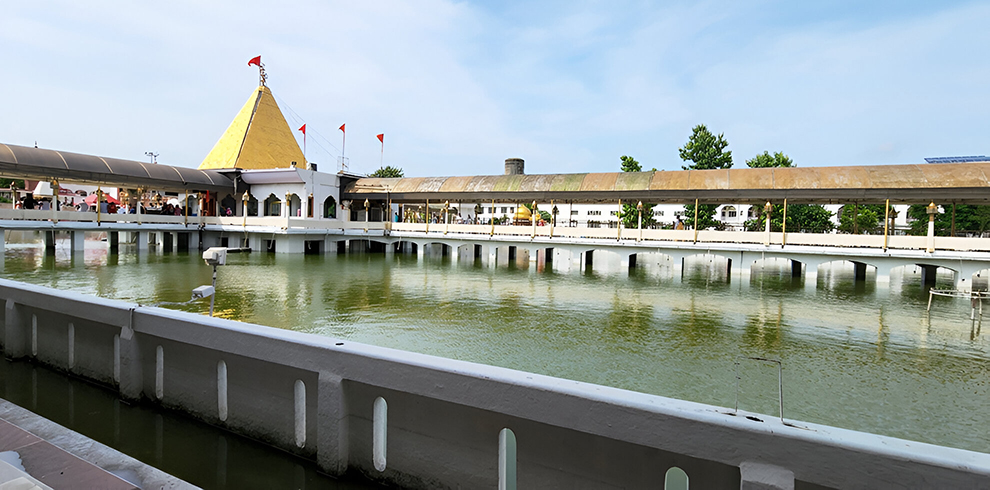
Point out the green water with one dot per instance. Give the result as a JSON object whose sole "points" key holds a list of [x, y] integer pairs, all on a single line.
{"points": [[856, 355]]}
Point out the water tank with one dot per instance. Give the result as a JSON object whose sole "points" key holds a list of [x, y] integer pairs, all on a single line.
{"points": [[514, 166]]}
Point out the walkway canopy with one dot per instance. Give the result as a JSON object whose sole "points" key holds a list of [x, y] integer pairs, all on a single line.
{"points": [[35, 163], [963, 183]]}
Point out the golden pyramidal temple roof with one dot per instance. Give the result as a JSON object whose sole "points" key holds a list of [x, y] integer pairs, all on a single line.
{"points": [[257, 138]]}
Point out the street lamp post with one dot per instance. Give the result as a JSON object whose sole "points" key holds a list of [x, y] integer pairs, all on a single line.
{"points": [[932, 211], [244, 207], [766, 216], [533, 216], [366, 204], [639, 213]]}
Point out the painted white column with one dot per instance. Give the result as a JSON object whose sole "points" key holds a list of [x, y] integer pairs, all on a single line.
{"points": [[78, 241]]}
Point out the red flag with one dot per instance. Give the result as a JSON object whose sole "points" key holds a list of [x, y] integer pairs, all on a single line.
{"points": [[255, 61], [342, 127], [381, 138], [302, 128]]}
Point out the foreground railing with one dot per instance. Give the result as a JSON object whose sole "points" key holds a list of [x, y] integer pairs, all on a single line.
{"points": [[418, 421]]}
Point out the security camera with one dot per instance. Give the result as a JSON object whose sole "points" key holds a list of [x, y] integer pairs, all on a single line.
{"points": [[202, 292], [215, 256]]}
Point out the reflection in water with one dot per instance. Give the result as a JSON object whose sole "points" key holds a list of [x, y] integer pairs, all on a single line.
{"points": [[196, 452], [855, 355]]}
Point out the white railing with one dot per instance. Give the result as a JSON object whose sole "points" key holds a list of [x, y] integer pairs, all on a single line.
{"points": [[897, 242]]}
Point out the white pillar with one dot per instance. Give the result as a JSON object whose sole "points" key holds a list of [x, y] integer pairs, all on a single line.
{"points": [[78, 241]]}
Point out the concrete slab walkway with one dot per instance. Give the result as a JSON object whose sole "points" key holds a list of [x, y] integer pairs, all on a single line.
{"points": [[38, 453]]}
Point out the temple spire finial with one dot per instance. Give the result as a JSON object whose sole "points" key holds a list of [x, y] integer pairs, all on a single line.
{"points": [[262, 76]]}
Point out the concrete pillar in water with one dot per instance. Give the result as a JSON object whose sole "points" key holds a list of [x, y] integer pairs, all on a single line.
{"points": [[964, 277], [420, 251], [113, 239], [928, 273], [78, 241], [142, 241], [492, 256], [455, 253], [3, 242], [50, 242], [860, 271], [390, 249]]}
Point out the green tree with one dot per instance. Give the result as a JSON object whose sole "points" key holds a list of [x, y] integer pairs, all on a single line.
{"points": [[765, 159], [861, 218], [388, 172], [705, 151], [5, 183], [919, 227], [629, 214], [801, 218]]}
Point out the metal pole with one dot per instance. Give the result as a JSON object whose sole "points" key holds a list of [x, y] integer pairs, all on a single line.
{"points": [[553, 217], [185, 204], [695, 220], [214, 295], [99, 196], [426, 216], [783, 227], [618, 222], [886, 223]]}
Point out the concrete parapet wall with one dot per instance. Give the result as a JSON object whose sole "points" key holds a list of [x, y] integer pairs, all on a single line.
{"points": [[440, 421]]}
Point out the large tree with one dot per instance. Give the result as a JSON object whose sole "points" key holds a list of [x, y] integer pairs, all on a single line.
{"points": [[388, 171], [765, 159], [861, 218], [630, 215], [803, 218], [705, 151]]}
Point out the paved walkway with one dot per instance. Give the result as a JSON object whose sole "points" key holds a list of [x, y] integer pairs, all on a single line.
{"points": [[36, 453]]}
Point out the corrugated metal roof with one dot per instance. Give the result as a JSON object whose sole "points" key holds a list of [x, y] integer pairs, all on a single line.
{"points": [[36, 163], [958, 182]]}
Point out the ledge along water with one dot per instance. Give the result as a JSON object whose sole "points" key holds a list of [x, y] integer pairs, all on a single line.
{"points": [[856, 355]]}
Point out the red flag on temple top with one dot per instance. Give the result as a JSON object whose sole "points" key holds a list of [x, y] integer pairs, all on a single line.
{"points": [[381, 138], [342, 127], [303, 129], [255, 61]]}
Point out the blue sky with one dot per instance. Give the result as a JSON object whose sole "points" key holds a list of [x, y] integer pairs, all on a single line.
{"points": [[457, 87]]}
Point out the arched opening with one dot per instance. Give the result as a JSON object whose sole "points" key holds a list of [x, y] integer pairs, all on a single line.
{"points": [[330, 208], [295, 206], [273, 206], [729, 212], [252, 206]]}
